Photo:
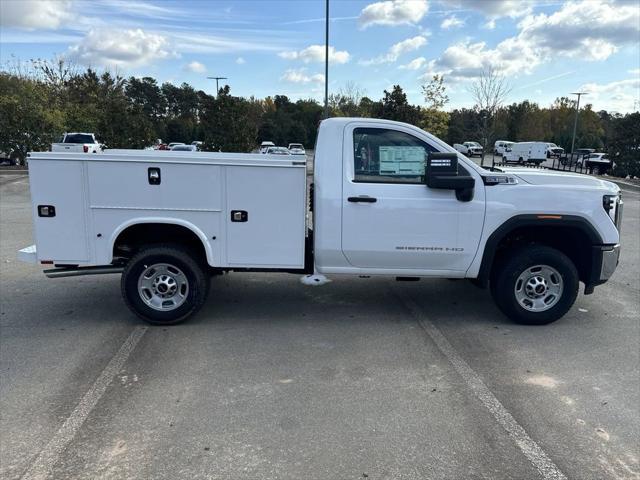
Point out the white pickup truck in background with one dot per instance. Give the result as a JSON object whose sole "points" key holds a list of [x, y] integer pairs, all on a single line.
{"points": [[469, 148], [387, 199], [77, 142]]}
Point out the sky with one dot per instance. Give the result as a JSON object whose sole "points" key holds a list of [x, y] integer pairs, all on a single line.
{"points": [[544, 48]]}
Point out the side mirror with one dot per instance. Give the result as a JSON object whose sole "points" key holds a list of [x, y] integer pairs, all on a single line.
{"points": [[442, 173]]}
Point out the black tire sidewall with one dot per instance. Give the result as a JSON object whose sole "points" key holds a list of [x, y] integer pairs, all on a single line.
{"points": [[180, 258], [518, 262]]}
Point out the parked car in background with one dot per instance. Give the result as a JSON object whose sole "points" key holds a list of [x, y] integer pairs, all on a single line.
{"points": [[278, 151], [554, 150], [599, 163], [581, 154], [469, 148], [198, 144], [578, 157], [10, 158], [184, 148], [77, 143], [264, 146], [173, 144], [526, 152], [501, 146], [296, 149]]}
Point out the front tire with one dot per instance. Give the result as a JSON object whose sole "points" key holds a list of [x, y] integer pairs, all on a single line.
{"points": [[164, 285], [535, 285]]}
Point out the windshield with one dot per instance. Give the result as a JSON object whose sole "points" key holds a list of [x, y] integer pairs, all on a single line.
{"points": [[78, 138]]}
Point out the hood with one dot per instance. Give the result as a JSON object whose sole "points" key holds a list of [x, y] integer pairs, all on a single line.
{"points": [[570, 179]]}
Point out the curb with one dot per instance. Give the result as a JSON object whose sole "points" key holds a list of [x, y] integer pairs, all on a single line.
{"points": [[14, 171]]}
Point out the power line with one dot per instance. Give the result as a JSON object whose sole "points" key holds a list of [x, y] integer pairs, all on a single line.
{"points": [[326, 60], [217, 79], [575, 122]]}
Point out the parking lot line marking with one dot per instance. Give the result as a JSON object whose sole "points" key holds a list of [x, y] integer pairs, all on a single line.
{"points": [[50, 454], [521, 438]]}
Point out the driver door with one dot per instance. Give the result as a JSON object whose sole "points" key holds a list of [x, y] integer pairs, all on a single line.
{"points": [[390, 218]]}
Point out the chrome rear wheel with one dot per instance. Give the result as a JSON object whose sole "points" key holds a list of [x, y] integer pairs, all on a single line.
{"points": [[163, 287]]}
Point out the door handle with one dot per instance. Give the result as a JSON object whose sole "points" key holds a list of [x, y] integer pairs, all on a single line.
{"points": [[362, 199]]}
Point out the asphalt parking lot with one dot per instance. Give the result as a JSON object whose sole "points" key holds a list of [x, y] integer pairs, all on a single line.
{"points": [[359, 378]]}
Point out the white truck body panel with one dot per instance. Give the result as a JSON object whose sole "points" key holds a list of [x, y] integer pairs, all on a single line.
{"points": [[97, 197]]}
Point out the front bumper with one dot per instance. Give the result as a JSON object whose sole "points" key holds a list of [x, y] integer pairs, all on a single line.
{"points": [[610, 259], [604, 261]]}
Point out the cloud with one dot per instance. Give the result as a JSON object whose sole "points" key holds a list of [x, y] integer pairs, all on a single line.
{"points": [[202, 42], [195, 67], [300, 76], [316, 53], [397, 49], [589, 30], [393, 12], [36, 14], [621, 96], [415, 64], [451, 22], [586, 29], [493, 9], [240, 61], [634, 71], [120, 48]]}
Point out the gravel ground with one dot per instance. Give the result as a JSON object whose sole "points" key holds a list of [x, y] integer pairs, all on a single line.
{"points": [[360, 378]]}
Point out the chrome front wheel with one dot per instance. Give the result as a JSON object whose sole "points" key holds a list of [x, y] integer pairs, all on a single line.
{"points": [[539, 288], [534, 284]]}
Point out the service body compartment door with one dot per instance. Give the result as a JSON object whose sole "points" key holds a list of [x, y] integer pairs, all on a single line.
{"points": [[60, 184], [266, 211], [390, 219]]}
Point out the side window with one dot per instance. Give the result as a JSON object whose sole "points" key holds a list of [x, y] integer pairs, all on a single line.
{"points": [[388, 156]]}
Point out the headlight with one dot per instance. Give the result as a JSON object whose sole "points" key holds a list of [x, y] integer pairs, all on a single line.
{"points": [[613, 204]]}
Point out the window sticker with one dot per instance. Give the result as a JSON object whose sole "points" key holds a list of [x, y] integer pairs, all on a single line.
{"points": [[401, 160]]}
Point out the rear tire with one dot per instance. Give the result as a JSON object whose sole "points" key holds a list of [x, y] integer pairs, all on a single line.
{"points": [[535, 285], [164, 285]]}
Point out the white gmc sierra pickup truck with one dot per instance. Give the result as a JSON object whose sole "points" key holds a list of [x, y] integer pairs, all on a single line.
{"points": [[387, 199]]}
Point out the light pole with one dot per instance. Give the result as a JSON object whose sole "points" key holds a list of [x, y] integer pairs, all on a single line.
{"points": [[217, 79], [575, 122], [326, 60]]}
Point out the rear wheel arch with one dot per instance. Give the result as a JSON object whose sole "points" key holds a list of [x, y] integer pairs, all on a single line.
{"points": [[572, 235], [131, 236]]}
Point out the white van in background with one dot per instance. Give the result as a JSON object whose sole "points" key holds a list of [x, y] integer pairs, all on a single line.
{"points": [[526, 152], [501, 146]]}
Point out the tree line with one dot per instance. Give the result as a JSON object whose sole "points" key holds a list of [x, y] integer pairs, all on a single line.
{"points": [[39, 103]]}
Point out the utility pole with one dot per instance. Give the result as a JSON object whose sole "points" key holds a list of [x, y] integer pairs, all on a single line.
{"points": [[575, 122], [217, 79], [326, 60]]}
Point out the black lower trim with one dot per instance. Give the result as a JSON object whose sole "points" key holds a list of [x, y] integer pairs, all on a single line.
{"points": [[529, 220]]}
